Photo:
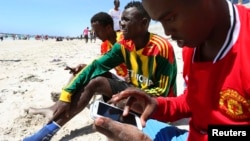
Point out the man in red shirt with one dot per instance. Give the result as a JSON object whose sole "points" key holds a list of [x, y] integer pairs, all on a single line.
{"points": [[216, 63]]}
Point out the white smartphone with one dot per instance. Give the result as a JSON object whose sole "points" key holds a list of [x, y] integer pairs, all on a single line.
{"points": [[102, 109]]}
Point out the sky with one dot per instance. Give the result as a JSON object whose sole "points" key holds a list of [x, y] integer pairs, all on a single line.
{"points": [[51, 17]]}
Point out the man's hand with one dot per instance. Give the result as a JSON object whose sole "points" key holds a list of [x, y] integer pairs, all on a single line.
{"points": [[138, 101], [118, 131], [76, 69], [61, 108]]}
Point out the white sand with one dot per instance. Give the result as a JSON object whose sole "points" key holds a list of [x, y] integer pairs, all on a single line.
{"points": [[30, 70]]}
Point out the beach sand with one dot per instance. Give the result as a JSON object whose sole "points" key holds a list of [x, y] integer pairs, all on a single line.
{"points": [[32, 69]]}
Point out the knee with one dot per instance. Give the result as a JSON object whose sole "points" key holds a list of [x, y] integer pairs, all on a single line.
{"points": [[98, 85], [97, 82]]}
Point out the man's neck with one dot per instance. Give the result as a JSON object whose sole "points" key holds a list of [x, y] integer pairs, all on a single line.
{"points": [[112, 39], [116, 8], [141, 41]]}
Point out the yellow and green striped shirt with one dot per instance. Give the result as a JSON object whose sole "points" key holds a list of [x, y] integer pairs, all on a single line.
{"points": [[152, 68]]}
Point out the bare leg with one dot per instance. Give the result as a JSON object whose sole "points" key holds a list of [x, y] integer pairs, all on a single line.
{"points": [[46, 112]]}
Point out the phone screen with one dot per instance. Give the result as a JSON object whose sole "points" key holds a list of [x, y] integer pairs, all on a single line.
{"points": [[115, 114]]}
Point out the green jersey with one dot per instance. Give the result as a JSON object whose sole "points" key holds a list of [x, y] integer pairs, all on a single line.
{"points": [[152, 68]]}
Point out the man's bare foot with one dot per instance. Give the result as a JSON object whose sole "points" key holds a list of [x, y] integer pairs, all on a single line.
{"points": [[46, 112]]}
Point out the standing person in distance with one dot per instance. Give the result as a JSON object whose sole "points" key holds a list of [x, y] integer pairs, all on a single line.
{"points": [[115, 13], [92, 36], [86, 34]]}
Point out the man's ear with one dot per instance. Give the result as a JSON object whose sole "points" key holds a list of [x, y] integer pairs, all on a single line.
{"points": [[145, 22]]}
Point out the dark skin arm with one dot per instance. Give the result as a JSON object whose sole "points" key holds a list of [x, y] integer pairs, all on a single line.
{"points": [[118, 131]]}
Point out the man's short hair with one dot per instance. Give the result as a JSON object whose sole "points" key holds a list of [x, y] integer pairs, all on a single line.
{"points": [[103, 19]]}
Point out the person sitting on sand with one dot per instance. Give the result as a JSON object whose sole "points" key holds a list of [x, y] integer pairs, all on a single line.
{"points": [[150, 61], [102, 24]]}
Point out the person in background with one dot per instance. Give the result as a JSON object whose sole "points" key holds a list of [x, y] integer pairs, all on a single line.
{"points": [[116, 15], [1, 36], [217, 63], [92, 36], [150, 61], [86, 34]]}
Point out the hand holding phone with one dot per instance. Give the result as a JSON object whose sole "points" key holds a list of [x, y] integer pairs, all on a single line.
{"points": [[99, 108]]}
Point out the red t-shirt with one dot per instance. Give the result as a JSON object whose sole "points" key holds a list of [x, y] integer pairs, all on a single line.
{"points": [[218, 92], [121, 70], [86, 32]]}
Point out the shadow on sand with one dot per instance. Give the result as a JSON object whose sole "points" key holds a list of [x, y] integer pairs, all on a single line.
{"points": [[78, 132]]}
